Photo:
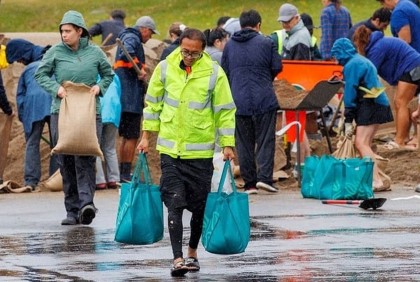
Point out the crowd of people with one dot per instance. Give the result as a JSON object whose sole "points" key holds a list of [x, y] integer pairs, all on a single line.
{"points": [[212, 90]]}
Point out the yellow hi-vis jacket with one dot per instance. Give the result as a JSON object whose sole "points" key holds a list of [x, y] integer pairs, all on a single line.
{"points": [[189, 111]]}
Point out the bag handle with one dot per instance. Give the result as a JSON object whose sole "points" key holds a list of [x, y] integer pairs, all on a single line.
{"points": [[142, 169], [227, 168]]}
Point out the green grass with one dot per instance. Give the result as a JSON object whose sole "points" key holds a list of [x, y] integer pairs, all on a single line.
{"points": [[44, 16]]}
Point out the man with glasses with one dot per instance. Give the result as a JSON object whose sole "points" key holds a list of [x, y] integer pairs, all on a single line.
{"points": [[294, 40], [188, 100], [132, 88], [251, 63]]}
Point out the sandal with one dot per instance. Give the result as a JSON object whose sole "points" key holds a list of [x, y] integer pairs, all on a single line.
{"points": [[192, 264], [179, 269], [392, 145]]}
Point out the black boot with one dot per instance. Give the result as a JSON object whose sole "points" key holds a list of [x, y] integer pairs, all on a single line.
{"points": [[125, 172]]}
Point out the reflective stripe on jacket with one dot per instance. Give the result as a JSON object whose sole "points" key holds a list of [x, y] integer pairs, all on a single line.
{"points": [[188, 110]]}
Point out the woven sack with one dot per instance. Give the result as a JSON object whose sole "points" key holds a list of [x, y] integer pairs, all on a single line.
{"points": [[77, 123], [5, 128], [10, 186], [54, 183]]}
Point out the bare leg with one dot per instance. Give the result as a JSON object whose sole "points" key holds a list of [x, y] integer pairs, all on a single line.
{"points": [[127, 149], [404, 93], [363, 141]]}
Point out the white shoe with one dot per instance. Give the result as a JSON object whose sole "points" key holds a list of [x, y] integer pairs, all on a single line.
{"points": [[266, 187], [250, 191]]}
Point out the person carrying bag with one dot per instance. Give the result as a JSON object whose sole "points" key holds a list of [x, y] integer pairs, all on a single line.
{"points": [[140, 212], [226, 227]]}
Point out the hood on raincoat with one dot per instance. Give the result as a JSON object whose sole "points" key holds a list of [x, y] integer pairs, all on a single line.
{"points": [[23, 51], [343, 50], [244, 34], [76, 18]]}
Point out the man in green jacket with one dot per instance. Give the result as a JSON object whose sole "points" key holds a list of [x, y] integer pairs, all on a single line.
{"points": [[75, 59], [189, 103]]}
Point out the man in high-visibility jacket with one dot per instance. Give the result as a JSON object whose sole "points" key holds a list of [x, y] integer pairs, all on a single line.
{"points": [[189, 103]]}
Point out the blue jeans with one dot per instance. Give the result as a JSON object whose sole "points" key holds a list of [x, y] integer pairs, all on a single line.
{"points": [[255, 144], [108, 138], [78, 174], [32, 154]]}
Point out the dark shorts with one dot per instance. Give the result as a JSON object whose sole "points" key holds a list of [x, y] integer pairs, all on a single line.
{"points": [[369, 112], [412, 77], [185, 183], [130, 125]]}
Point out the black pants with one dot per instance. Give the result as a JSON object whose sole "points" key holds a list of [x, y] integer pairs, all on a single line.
{"points": [[184, 184], [255, 144]]}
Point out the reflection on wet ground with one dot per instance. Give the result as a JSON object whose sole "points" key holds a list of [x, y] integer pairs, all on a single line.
{"points": [[372, 252]]}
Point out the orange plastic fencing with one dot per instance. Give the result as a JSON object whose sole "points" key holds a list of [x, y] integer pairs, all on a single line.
{"points": [[305, 75]]}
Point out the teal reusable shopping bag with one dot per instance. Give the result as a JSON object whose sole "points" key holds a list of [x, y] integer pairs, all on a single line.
{"points": [[348, 179], [140, 212], [226, 227], [327, 177]]}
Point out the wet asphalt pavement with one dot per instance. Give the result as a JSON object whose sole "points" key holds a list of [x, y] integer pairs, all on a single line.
{"points": [[292, 239]]}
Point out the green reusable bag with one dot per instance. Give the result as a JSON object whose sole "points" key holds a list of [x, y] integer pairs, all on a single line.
{"points": [[226, 226], [140, 212], [329, 178]]}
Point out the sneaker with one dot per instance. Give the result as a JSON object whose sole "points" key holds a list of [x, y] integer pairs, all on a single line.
{"points": [[417, 189], [251, 190], [112, 185], [87, 214], [100, 186], [126, 179], [69, 220], [36, 189], [266, 187]]}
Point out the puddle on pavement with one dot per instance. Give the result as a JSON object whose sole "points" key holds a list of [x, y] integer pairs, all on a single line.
{"points": [[273, 254]]}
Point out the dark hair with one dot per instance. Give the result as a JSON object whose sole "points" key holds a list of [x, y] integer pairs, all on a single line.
{"points": [[193, 34], [213, 34], [307, 22], [337, 3], [85, 33], [177, 28], [222, 20], [383, 14], [361, 39], [118, 14], [249, 18]]}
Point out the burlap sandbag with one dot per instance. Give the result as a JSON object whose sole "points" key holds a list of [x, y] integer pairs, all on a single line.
{"points": [[54, 183], [77, 123], [14, 187], [345, 149], [5, 129]]}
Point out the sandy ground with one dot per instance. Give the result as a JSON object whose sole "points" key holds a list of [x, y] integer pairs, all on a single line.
{"points": [[403, 166]]}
